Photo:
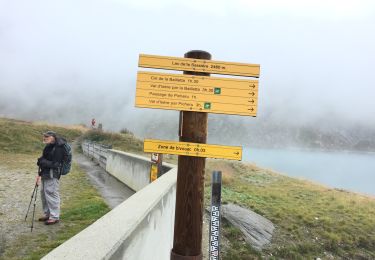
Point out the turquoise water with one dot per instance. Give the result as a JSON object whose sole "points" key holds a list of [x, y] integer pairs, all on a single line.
{"points": [[346, 170]]}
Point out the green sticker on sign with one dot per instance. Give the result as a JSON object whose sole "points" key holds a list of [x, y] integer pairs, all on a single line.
{"points": [[207, 105], [217, 91]]}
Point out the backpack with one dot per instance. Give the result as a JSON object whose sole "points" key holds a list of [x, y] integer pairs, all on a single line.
{"points": [[67, 159]]}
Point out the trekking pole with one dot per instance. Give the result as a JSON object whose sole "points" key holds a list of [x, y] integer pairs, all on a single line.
{"points": [[32, 196], [36, 193]]}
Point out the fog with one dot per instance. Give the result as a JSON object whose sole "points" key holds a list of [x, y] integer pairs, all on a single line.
{"points": [[70, 61]]}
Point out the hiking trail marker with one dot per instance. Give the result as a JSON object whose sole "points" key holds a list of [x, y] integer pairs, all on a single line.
{"points": [[194, 94], [199, 65], [199, 94], [193, 149]]}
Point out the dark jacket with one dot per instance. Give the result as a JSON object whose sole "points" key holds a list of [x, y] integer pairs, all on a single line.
{"points": [[51, 160]]}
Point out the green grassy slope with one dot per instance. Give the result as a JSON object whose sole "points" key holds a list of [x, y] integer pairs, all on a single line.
{"points": [[124, 141], [18, 136], [311, 220]]}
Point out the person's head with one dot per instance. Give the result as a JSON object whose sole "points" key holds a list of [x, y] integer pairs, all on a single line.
{"points": [[49, 137]]}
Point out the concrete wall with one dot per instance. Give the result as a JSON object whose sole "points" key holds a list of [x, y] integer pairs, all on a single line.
{"points": [[139, 228], [133, 170]]}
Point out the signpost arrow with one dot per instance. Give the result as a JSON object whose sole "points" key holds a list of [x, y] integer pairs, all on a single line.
{"points": [[196, 93], [193, 149]]}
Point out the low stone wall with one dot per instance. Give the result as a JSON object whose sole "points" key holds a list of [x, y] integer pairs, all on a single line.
{"points": [[139, 228]]}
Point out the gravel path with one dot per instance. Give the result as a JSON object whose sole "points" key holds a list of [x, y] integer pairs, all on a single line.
{"points": [[17, 181]]}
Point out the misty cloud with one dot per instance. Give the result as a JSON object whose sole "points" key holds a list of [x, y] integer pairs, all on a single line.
{"points": [[70, 61]]}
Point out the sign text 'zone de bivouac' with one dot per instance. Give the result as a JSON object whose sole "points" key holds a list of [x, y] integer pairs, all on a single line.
{"points": [[198, 65], [193, 149], [197, 93]]}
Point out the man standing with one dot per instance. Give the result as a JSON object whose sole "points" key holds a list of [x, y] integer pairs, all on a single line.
{"points": [[50, 169]]}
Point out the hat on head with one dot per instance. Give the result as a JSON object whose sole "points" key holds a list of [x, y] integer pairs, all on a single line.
{"points": [[50, 133]]}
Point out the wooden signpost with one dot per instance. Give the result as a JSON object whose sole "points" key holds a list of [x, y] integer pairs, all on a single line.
{"points": [[195, 94]]}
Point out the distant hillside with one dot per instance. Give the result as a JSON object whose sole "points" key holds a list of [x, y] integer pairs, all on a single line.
{"points": [[275, 135], [124, 141], [19, 136], [264, 133]]}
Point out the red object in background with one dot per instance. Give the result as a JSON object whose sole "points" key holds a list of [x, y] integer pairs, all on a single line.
{"points": [[93, 122]]}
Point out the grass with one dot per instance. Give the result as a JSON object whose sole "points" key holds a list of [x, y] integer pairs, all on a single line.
{"points": [[237, 249], [124, 141], [17, 136], [311, 220]]}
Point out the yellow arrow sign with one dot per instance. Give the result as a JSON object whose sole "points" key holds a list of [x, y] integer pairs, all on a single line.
{"points": [[197, 106], [193, 149], [197, 93], [208, 66], [151, 93], [197, 84]]}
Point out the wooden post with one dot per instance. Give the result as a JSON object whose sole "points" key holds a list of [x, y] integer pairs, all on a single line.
{"points": [[187, 242]]}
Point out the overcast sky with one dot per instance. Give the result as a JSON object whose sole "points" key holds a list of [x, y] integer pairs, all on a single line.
{"points": [[73, 60]]}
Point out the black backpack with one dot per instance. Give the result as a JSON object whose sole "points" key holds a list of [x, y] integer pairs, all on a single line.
{"points": [[67, 158]]}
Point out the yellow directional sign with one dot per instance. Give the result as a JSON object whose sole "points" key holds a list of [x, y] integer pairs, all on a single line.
{"points": [[197, 65], [197, 93], [197, 84], [197, 106], [193, 149]]}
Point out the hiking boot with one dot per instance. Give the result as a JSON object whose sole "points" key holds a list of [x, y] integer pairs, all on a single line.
{"points": [[43, 218], [51, 221]]}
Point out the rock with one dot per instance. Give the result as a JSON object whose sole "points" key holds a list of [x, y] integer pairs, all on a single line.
{"points": [[256, 229]]}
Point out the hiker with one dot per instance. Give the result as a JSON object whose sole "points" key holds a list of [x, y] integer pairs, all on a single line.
{"points": [[93, 122], [50, 171]]}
